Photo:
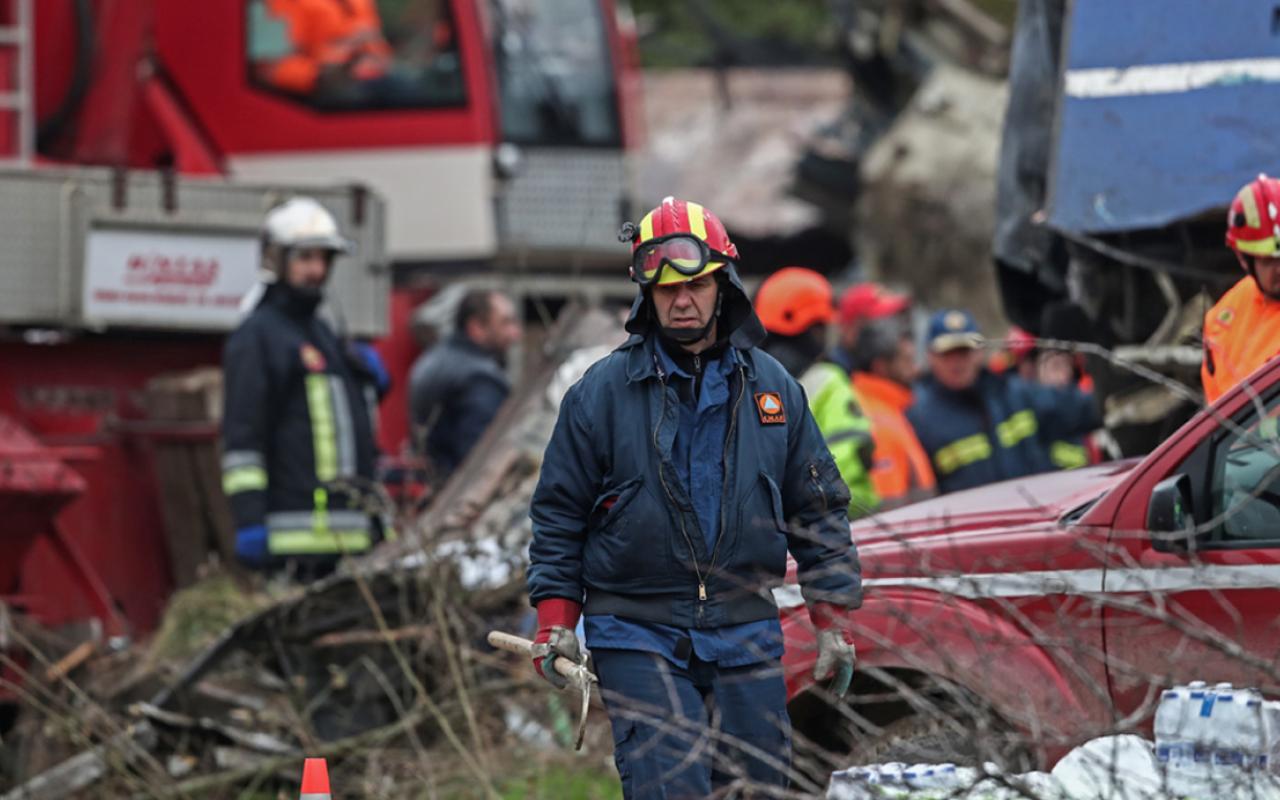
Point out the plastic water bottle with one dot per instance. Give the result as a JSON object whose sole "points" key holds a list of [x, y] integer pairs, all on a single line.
{"points": [[1180, 732]]}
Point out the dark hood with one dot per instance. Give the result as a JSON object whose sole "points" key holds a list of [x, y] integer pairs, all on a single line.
{"points": [[736, 315]]}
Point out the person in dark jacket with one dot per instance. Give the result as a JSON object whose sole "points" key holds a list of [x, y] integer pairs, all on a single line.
{"points": [[682, 469], [296, 420], [980, 427], [457, 387]]}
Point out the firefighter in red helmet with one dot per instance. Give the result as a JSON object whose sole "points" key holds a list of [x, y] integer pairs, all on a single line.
{"points": [[1242, 331], [683, 468]]}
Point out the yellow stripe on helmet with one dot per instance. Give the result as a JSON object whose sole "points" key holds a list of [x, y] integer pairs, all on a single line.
{"points": [[1258, 247], [646, 227], [697, 223], [1250, 204]]}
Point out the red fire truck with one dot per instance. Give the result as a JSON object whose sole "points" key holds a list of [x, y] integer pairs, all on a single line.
{"points": [[1063, 603], [142, 142]]}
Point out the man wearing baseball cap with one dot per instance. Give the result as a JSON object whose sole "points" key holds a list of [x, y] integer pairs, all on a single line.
{"points": [[979, 427]]}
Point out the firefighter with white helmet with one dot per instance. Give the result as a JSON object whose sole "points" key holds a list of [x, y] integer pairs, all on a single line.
{"points": [[297, 430]]}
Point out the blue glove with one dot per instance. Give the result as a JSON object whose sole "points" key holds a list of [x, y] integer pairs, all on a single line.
{"points": [[251, 546], [377, 369]]}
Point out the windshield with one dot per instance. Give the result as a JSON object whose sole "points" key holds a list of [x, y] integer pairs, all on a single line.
{"points": [[555, 73]]}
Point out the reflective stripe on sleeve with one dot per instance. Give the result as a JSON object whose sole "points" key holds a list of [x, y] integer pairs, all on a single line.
{"points": [[1013, 430], [962, 453], [1066, 455], [244, 479]]}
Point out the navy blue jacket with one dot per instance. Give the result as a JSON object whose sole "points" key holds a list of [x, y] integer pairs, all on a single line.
{"points": [[1002, 428], [455, 391], [613, 527]]}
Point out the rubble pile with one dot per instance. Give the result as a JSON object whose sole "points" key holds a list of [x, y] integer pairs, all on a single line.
{"points": [[382, 667]]}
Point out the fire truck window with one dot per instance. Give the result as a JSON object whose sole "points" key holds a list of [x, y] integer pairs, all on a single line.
{"points": [[1245, 489], [555, 73], [348, 55]]}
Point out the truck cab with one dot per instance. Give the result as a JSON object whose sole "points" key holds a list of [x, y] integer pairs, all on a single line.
{"points": [[1055, 608]]}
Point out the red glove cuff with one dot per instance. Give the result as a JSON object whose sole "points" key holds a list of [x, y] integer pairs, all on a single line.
{"points": [[828, 616], [556, 611]]}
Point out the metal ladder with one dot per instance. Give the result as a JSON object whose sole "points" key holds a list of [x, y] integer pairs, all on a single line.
{"points": [[18, 98]]}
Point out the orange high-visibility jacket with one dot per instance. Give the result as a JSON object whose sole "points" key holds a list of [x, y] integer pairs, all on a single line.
{"points": [[1241, 333], [326, 33], [901, 471]]}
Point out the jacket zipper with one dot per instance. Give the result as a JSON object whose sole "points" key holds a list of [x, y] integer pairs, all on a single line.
{"points": [[702, 583], [724, 489]]}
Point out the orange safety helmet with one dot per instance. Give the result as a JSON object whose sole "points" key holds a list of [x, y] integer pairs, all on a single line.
{"points": [[1253, 223], [793, 300], [677, 242]]}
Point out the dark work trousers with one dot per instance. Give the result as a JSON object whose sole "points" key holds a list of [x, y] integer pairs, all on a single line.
{"points": [[684, 733]]}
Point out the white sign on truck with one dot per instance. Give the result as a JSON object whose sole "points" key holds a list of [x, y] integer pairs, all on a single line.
{"points": [[171, 280]]}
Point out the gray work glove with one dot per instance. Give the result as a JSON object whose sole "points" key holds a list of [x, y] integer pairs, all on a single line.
{"points": [[835, 655], [563, 643]]}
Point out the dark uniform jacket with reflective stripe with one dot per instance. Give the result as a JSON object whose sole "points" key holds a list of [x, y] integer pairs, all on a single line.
{"points": [[295, 419], [612, 524], [1001, 428]]}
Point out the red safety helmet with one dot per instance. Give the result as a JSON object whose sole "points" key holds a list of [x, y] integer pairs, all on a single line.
{"points": [[1253, 223], [793, 300], [676, 242], [1020, 343], [870, 301]]}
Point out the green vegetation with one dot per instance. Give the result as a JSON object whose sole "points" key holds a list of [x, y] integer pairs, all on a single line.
{"points": [[560, 782], [199, 614]]}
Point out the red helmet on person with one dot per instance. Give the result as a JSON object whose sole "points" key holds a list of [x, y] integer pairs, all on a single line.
{"points": [[1021, 344], [793, 300], [677, 241], [1253, 223]]}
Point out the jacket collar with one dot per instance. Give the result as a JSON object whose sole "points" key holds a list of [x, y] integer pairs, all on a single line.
{"points": [[643, 361]]}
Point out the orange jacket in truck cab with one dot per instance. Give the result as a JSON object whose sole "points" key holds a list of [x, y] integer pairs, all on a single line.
{"points": [[344, 35]]}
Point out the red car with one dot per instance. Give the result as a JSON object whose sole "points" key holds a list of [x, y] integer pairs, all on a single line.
{"points": [[1056, 607]]}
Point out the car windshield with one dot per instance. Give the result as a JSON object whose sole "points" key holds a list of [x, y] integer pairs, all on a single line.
{"points": [[555, 73]]}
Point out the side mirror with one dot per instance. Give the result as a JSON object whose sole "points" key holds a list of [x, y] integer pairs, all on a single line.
{"points": [[1169, 516]]}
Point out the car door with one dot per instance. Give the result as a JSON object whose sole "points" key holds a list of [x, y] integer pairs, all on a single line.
{"points": [[1203, 606]]}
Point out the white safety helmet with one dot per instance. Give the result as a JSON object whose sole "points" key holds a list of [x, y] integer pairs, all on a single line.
{"points": [[302, 222]]}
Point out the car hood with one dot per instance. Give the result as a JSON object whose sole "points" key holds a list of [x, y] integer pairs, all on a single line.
{"points": [[1015, 524]]}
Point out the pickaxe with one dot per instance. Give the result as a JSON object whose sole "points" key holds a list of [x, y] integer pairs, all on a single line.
{"points": [[578, 675]]}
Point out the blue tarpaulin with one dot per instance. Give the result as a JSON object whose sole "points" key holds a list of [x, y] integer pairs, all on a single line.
{"points": [[1167, 108]]}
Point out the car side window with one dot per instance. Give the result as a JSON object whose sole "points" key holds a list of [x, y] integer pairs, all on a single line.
{"points": [[1244, 489]]}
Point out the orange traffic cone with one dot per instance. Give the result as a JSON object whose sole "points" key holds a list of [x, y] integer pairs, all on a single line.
{"points": [[315, 780]]}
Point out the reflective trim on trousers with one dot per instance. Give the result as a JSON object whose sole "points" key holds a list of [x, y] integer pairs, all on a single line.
{"points": [[317, 542]]}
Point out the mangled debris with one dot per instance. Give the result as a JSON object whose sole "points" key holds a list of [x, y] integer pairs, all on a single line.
{"points": [[383, 667]]}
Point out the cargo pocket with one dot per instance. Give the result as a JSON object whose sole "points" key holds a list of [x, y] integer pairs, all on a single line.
{"points": [[624, 734]]}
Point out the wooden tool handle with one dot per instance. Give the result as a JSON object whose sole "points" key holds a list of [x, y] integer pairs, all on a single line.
{"points": [[510, 643], [519, 646]]}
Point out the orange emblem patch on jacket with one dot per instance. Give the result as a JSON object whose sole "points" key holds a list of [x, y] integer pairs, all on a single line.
{"points": [[312, 358], [769, 406]]}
